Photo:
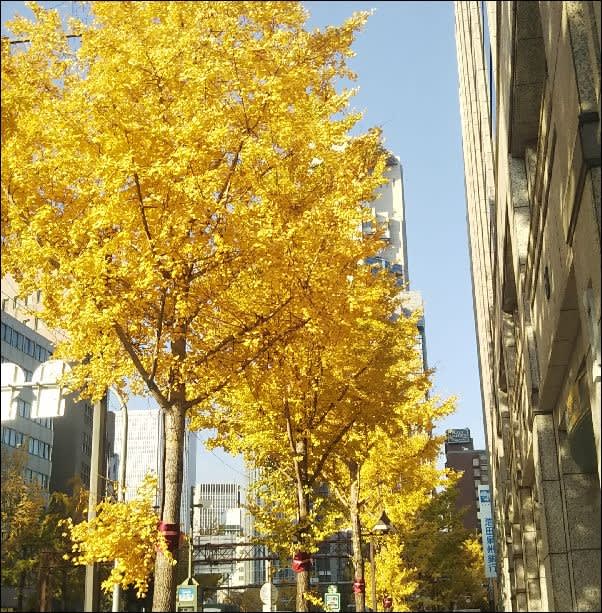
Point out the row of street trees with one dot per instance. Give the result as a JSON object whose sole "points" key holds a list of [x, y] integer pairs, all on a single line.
{"points": [[187, 188]]}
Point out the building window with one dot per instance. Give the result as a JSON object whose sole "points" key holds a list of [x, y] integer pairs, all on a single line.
{"points": [[87, 445], [11, 437], [24, 344], [33, 475]]}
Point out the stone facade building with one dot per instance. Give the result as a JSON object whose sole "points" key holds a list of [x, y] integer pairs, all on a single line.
{"points": [[529, 84]]}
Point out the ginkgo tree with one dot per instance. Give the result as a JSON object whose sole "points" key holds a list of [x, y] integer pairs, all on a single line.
{"points": [[296, 406], [431, 562], [121, 531], [177, 186], [390, 467]]}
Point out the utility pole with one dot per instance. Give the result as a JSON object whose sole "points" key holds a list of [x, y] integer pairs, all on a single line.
{"points": [[121, 485], [99, 418]]}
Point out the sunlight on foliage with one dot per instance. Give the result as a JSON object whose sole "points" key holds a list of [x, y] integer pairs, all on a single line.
{"points": [[122, 531]]}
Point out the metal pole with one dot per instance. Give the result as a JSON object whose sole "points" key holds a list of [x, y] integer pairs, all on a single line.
{"points": [[190, 554], [121, 484], [373, 573], [92, 585], [191, 528]]}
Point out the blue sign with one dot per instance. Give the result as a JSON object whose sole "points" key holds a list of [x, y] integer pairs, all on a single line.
{"points": [[186, 592], [487, 531]]}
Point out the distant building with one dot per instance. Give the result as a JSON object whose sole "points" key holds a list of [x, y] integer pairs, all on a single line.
{"points": [[529, 85], [218, 523], [211, 503], [461, 455], [144, 444], [389, 210]]}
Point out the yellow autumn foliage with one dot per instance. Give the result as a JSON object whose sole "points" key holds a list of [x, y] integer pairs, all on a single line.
{"points": [[184, 187], [122, 531]]}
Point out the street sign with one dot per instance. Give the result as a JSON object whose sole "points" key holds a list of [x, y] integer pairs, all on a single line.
{"points": [[268, 593], [487, 531], [186, 592], [332, 602], [186, 598], [49, 401], [12, 376], [332, 589]]}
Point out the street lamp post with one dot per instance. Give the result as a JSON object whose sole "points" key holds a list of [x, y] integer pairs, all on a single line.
{"points": [[191, 579], [382, 526], [121, 485], [373, 569]]}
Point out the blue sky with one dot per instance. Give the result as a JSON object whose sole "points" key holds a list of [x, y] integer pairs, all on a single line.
{"points": [[408, 85]]}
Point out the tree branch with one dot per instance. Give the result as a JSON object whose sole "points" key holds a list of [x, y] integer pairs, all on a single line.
{"points": [[159, 332], [150, 383]]}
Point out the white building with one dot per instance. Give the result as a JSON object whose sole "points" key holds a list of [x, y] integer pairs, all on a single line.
{"points": [[144, 444], [212, 502], [389, 210]]}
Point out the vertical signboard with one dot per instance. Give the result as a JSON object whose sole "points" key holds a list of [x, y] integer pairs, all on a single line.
{"points": [[487, 531]]}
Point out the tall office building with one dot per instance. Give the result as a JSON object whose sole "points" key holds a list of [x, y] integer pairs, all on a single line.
{"points": [[461, 456], [211, 503], [144, 445], [389, 210], [529, 84], [218, 528]]}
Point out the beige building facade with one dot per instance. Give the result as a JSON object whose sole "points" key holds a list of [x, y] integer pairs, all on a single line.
{"points": [[529, 86]]}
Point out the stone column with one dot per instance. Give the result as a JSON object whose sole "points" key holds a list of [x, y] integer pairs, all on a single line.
{"points": [[553, 541], [529, 547], [581, 497]]}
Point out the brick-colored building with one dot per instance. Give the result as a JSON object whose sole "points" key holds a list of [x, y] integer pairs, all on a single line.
{"points": [[461, 455]]}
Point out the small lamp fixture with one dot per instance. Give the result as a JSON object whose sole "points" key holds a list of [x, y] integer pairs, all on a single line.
{"points": [[383, 525]]}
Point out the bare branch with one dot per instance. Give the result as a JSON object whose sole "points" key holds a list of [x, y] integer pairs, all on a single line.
{"points": [[150, 383]]}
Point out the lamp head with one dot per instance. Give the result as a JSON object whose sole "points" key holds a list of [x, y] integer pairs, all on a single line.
{"points": [[383, 525]]}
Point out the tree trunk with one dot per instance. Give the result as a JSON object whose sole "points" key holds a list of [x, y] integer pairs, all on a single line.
{"points": [[303, 512], [20, 590], [356, 537], [302, 589], [165, 573], [43, 583]]}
